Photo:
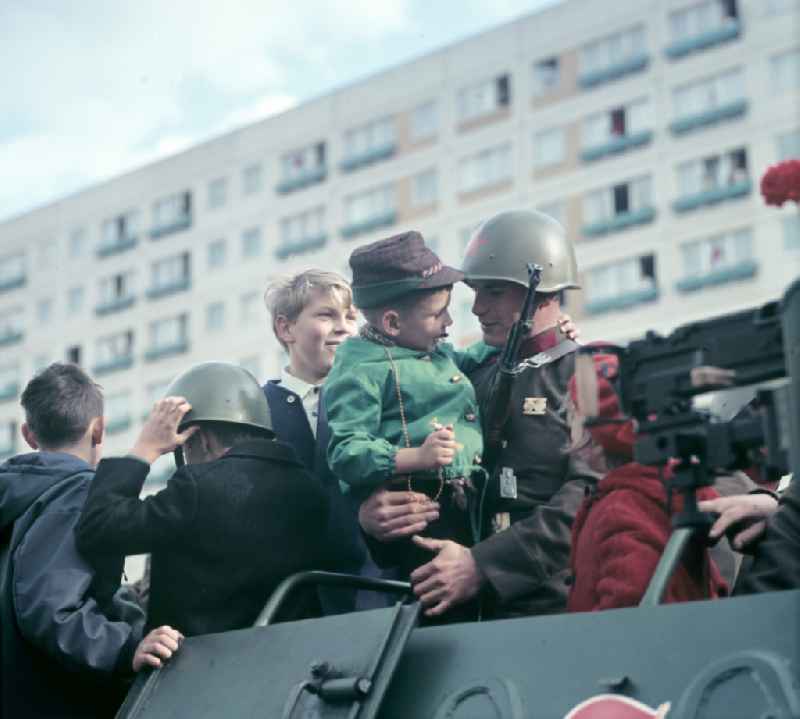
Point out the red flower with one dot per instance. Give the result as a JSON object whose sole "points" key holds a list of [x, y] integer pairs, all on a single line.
{"points": [[781, 182]]}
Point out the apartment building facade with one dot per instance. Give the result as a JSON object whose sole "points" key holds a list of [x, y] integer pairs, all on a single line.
{"points": [[643, 126]]}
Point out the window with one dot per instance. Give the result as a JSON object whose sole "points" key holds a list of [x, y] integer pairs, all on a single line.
{"points": [[631, 276], [303, 163], [785, 71], [703, 257], [113, 349], [44, 311], [713, 172], [702, 18], [217, 251], [619, 122], [11, 323], [40, 362], [155, 391], [557, 210], [546, 76], [77, 243], [371, 138], [548, 147], [424, 189], [424, 122], [709, 94], [370, 205], [9, 379], [791, 232], [121, 229], [251, 242], [253, 365], [306, 226], [172, 213], [168, 333], [217, 193], [73, 354], [250, 303], [622, 199], [12, 271], [116, 288], [789, 145], [8, 437], [75, 297], [47, 251], [215, 316], [118, 410], [251, 179], [777, 7], [487, 168], [484, 98], [612, 50], [170, 272]]}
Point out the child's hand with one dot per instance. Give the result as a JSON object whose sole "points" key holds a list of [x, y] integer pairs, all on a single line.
{"points": [[439, 448], [157, 647]]}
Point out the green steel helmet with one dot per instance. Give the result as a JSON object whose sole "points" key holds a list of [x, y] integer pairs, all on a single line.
{"points": [[502, 247], [222, 392]]}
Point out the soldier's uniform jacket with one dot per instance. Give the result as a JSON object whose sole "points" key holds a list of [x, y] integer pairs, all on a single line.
{"points": [[527, 563]]}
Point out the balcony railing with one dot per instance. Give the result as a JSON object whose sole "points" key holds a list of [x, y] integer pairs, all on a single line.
{"points": [[304, 179], [181, 285], [11, 337], [181, 223], [618, 145], [121, 244], [713, 196], [623, 301], [373, 223], [620, 222], [298, 247], [157, 353], [115, 364], [729, 31], [742, 271], [362, 159], [631, 65], [710, 117], [115, 305], [13, 283]]}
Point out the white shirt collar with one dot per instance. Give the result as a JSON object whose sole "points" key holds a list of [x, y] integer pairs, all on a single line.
{"points": [[300, 387]]}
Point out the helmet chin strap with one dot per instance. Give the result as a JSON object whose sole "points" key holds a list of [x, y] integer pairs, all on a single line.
{"points": [[178, 454]]}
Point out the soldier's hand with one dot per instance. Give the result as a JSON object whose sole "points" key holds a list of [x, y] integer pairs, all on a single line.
{"points": [[159, 434], [439, 448], [742, 517], [450, 578], [157, 647], [387, 515], [567, 327]]}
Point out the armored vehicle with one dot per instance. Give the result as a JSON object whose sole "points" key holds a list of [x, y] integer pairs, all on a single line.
{"points": [[737, 657]]}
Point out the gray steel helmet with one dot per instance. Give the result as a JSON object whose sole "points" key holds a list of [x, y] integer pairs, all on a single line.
{"points": [[502, 247], [222, 392]]}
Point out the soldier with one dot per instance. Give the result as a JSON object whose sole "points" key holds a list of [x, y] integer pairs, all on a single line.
{"points": [[239, 517], [521, 567]]}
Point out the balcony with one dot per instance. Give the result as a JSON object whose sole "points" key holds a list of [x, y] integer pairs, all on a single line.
{"points": [[157, 353], [121, 244], [711, 117], [634, 64], [117, 425], [375, 154], [620, 222], [618, 145], [10, 391], [730, 31], [181, 223], [713, 196], [742, 271], [623, 301], [304, 179], [181, 285], [13, 283], [11, 337], [115, 364], [373, 223], [115, 305], [299, 247]]}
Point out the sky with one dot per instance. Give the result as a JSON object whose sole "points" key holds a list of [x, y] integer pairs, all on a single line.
{"points": [[92, 89]]}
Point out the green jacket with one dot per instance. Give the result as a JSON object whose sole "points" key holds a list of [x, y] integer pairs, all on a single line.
{"points": [[364, 414]]}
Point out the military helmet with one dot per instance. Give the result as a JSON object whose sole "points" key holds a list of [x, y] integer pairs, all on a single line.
{"points": [[502, 247], [222, 392]]}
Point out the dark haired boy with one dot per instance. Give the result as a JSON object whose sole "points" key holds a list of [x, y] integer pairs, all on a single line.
{"points": [[67, 638], [400, 409]]}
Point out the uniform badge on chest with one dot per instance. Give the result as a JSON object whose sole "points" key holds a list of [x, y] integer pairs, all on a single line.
{"points": [[534, 405], [508, 483]]}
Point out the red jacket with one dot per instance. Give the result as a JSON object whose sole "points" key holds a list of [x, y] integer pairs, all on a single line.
{"points": [[618, 537]]}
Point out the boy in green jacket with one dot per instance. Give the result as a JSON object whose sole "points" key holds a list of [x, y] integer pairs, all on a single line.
{"points": [[400, 409]]}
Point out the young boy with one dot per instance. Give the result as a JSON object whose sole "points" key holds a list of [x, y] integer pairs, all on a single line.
{"points": [[400, 409]]}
